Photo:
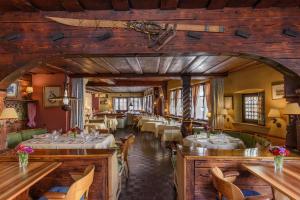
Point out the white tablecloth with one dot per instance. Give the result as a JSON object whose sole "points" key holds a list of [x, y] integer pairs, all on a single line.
{"points": [[112, 123], [103, 141], [150, 126], [217, 141], [171, 133], [96, 125]]}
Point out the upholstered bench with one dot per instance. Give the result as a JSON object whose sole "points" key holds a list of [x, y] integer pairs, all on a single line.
{"points": [[14, 138]]}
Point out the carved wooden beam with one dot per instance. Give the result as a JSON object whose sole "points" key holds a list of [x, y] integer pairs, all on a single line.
{"points": [[186, 126]]}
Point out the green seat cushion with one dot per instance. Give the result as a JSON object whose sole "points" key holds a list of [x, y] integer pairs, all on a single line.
{"points": [[13, 139], [29, 133]]}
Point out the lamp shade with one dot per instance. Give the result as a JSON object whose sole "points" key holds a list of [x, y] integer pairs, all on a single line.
{"points": [[9, 113], [292, 109], [224, 112], [29, 90], [274, 113]]}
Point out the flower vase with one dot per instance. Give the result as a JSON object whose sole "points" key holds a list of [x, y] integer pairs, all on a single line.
{"points": [[23, 160], [278, 163]]}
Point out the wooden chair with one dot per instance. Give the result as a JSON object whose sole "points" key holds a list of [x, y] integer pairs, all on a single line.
{"points": [[126, 144], [77, 191], [227, 189]]}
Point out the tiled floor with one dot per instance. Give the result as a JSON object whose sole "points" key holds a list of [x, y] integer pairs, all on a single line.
{"points": [[151, 172]]}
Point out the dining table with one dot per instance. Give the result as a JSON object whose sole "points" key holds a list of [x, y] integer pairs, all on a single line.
{"points": [[15, 182], [213, 141], [171, 133], [285, 184], [87, 141]]}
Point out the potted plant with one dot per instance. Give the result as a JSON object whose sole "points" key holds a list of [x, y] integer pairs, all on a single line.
{"points": [[23, 154], [279, 153]]}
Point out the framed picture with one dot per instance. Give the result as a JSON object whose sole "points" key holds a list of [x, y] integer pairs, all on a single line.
{"points": [[51, 92], [228, 102], [12, 90], [277, 90]]}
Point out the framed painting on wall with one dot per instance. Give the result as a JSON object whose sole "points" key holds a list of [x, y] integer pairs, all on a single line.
{"points": [[12, 90], [277, 90], [228, 102], [51, 92]]}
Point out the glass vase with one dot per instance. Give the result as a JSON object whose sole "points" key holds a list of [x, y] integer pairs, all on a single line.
{"points": [[23, 160], [278, 163]]}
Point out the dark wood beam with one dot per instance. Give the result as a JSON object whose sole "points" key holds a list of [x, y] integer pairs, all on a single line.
{"points": [[53, 5], [72, 5], [168, 4], [145, 4], [193, 3], [244, 3], [96, 4], [24, 5], [120, 5], [265, 3], [148, 75], [216, 4], [130, 83]]}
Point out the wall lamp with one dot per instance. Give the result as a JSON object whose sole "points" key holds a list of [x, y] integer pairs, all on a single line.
{"points": [[274, 114]]}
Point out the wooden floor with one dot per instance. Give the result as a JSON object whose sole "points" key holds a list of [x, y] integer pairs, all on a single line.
{"points": [[151, 172]]}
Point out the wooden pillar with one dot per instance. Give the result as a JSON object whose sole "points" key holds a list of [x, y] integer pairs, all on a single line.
{"points": [[186, 127], [156, 101], [165, 98], [3, 129]]}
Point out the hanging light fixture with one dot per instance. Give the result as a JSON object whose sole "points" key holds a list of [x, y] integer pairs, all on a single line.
{"points": [[66, 99]]}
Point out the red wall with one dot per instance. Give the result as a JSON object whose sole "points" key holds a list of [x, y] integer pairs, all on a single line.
{"points": [[50, 118]]}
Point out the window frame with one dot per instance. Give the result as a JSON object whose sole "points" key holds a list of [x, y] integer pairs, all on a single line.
{"points": [[250, 121]]}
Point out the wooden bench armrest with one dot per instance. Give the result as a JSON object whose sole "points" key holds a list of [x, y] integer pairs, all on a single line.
{"points": [[55, 195]]}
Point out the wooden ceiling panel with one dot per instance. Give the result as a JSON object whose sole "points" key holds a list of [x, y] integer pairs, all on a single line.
{"points": [[50, 5], [89, 65], [135, 64], [96, 4], [149, 64], [118, 63], [210, 62], [180, 63], [194, 64], [193, 3], [228, 64], [165, 63]]}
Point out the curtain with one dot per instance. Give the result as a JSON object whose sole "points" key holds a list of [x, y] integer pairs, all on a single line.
{"points": [[207, 93], [195, 91], [261, 108], [217, 91], [175, 102], [31, 115], [77, 111]]}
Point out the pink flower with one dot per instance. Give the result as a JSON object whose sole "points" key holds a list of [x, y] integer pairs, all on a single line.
{"points": [[24, 149]]}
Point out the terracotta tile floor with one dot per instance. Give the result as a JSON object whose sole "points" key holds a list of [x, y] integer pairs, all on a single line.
{"points": [[151, 172]]}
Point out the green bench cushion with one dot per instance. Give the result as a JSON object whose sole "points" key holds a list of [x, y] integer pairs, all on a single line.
{"points": [[29, 133], [249, 140], [13, 139]]}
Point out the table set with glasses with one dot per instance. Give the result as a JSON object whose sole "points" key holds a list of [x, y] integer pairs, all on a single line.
{"points": [[70, 141], [213, 141]]}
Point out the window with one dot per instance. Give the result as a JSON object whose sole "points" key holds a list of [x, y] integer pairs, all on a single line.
{"points": [[201, 104], [253, 108], [136, 103], [179, 103], [172, 102], [120, 104], [175, 106]]}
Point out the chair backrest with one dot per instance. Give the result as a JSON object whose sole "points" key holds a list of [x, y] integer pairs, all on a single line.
{"points": [[227, 189], [81, 187], [127, 142]]}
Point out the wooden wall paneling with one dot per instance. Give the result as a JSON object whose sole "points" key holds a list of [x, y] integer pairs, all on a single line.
{"points": [[168, 4], [189, 179], [145, 4], [165, 64], [96, 4], [192, 3], [180, 63], [72, 5], [120, 5]]}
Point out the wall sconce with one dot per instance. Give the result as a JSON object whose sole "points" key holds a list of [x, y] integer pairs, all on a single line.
{"points": [[208, 115], [29, 91], [224, 112], [274, 114]]}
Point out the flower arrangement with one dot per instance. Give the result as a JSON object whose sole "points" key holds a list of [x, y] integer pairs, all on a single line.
{"points": [[23, 152], [74, 131], [278, 152]]}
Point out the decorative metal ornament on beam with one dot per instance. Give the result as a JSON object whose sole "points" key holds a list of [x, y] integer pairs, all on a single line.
{"points": [[159, 33]]}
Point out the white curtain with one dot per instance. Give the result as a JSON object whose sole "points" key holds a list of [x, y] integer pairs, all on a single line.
{"points": [[77, 111], [217, 104]]}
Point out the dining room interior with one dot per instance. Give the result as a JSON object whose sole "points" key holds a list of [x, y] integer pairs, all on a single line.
{"points": [[138, 100]]}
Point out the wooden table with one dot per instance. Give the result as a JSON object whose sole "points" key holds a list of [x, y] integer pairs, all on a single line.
{"points": [[286, 182], [15, 182]]}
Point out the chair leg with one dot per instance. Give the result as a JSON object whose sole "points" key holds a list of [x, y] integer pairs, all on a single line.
{"points": [[220, 196]]}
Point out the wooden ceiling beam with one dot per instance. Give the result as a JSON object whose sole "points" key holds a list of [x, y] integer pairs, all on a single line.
{"points": [[148, 75], [72, 5], [119, 83], [193, 3], [265, 3], [244, 3], [216, 4], [24, 5], [120, 5], [145, 4], [168, 4]]}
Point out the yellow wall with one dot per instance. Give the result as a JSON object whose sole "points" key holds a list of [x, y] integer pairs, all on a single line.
{"points": [[258, 78]]}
